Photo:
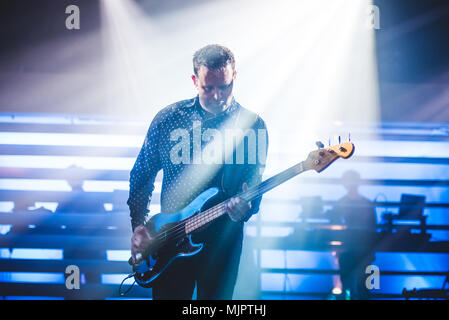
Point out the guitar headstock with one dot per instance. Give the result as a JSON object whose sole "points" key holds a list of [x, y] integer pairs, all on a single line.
{"points": [[320, 159]]}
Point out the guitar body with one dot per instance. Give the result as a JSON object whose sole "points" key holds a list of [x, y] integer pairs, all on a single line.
{"points": [[156, 262]]}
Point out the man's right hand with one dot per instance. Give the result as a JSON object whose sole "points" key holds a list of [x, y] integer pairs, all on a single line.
{"points": [[139, 241]]}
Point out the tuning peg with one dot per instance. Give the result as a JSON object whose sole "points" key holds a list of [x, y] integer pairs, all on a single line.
{"points": [[349, 136], [329, 142], [339, 139], [319, 144]]}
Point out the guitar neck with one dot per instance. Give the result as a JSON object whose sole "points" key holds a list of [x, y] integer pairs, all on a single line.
{"points": [[252, 193]]}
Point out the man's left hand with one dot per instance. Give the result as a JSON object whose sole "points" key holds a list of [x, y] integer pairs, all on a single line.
{"points": [[237, 208]]}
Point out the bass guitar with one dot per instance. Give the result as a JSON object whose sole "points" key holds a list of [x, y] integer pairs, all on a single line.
{"points": [[170, 233]]}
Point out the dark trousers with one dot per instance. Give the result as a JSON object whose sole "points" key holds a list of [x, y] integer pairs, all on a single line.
{"points": [[353, 276], [213, 270]]}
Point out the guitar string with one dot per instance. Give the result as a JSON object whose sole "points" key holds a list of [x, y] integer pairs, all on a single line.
{"points": [[196, 220], [263, 187], [180, 227], [178, 231]]}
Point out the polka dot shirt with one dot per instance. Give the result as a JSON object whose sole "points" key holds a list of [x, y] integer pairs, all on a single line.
{"points": [[175, 143]]}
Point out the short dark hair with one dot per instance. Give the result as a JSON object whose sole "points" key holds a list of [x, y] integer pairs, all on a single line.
{"points": [[213, 56]]}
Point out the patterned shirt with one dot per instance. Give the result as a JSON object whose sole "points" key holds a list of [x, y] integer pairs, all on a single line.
{"points": [[181, 141]]}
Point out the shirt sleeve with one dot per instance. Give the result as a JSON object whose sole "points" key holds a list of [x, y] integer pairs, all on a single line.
{"points": [[142, 176]]}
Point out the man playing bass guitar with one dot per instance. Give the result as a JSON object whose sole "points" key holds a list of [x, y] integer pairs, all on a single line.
{"points": [[208, 141]]}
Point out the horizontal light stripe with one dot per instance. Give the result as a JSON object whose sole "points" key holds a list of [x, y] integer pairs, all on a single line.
{"points": [[403, 149], [62, 185], [6, 206], [115, 278], [34, 184], [296, 282], [412, 261], [118, 255], [72, 120], [47, 205], [385, 171], [5, 228], [32, 277], [334, 192], [70, 139], [37, 254], [54, 119], [5, 253], [396, 283], [104, 186], [269, 231], [63, 162]]}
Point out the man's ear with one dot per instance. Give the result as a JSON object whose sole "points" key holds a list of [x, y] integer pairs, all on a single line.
{"points": [[195, 83], [235, 74]]}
